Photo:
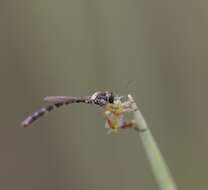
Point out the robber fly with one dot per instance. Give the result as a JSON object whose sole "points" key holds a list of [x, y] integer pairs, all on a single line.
{"points": [[98, 98], [112, 106]]}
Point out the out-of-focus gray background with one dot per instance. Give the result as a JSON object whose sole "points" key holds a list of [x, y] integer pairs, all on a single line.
{"points": [[155, 50]]}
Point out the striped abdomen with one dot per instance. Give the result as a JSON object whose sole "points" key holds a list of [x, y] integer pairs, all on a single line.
{"points": [[43, 111]]}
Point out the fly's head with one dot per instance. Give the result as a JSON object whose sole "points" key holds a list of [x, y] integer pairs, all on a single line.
{"points": [[103, 98], [110, 97]]}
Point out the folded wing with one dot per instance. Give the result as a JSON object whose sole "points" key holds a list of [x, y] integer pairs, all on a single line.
{"points": [[60, 99]]}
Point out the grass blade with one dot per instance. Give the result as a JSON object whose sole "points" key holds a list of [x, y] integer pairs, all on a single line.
{"points": [[160, 170]]}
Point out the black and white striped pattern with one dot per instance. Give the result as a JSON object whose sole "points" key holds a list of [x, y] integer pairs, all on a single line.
{"points": [[36, 115]]}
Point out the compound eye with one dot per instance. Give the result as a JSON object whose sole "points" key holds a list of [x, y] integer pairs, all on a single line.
{"points": [[111, 99]]}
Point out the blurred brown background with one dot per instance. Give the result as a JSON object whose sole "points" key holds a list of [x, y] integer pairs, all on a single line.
{"points": [[155, 50]]}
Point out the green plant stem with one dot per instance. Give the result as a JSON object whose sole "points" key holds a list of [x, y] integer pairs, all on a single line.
{"points": [[160, 170]]}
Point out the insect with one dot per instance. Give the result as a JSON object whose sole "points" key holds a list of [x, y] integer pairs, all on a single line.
{"points": [[111, 105], [115, 115]]}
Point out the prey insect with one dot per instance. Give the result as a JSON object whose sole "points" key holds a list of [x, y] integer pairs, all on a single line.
{"points": [[115, 115], [111, 105]]}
